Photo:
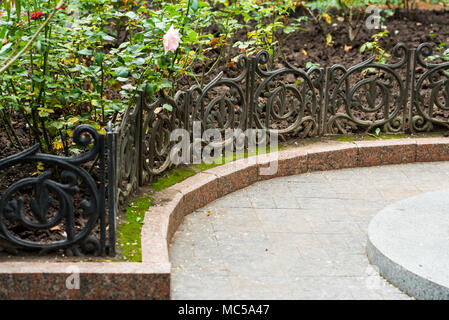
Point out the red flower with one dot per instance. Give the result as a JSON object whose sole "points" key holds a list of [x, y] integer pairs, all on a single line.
{"points": [[36, 15], [62, 8]]}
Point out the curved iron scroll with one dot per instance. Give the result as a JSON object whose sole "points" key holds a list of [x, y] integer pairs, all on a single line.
{"points": [[368, 95], [430, 95], [64, 199], [288, 100]]}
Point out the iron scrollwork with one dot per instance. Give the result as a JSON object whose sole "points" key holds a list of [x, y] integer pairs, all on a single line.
{"points": [[430, 96], [288, 100], [64, 197], [368, 95]]}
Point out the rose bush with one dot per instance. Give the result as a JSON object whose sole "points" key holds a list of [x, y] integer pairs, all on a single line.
{"points": [[90, 63]]}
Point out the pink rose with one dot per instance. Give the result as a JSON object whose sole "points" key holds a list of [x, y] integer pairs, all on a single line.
{"points": [[171, 40], [4, 40]]}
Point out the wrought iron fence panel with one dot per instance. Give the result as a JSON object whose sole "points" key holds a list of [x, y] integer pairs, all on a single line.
{"points": [[430, 94], [223, 103], [409, 94], [368, 95], [159, 120], [127, 150], [61, 205], [288, 100]]}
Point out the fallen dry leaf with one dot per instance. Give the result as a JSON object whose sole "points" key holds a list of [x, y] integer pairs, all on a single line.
{"points": [[347, 48]]}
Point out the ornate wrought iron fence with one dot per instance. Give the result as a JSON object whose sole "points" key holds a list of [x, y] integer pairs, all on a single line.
{"points": [[61, 205], [407, 95]]}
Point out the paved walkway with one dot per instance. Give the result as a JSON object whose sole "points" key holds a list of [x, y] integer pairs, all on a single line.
{"points": [[298, 237]]}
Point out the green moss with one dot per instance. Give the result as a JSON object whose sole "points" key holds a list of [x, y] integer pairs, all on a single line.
{"points": [[386, 136], [233, 157], [172, 177], [382, 136], [129, 231], [436, 134], [347, 139], [179, 174], [206, 166]]}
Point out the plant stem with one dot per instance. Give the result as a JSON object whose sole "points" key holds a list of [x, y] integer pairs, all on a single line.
{"points": [[12, 59]]}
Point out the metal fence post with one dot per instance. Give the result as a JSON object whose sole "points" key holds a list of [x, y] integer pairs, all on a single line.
{"points": [[112, 189], [139, 138]]}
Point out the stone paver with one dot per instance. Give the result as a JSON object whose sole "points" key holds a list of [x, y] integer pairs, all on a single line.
{"points": [[297, 237]]}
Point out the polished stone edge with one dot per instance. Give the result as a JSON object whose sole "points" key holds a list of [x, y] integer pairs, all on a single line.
{"points": [[104, 281], [151, 278], [407, 241], [406, 280]]}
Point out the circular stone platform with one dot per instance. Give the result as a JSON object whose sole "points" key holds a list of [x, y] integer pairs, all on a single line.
{"points": [[409, 242]]}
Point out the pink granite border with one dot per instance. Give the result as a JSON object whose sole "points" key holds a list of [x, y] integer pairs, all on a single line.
{"points": [[151, 278]]}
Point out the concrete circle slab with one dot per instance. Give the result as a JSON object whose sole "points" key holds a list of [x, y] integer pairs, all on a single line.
{"points": [[409, 242]]}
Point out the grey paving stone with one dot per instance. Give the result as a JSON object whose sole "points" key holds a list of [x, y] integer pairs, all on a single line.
{"points": [[282, 221], [320, 203], [193, 287], [298, 237], [312, 190]]}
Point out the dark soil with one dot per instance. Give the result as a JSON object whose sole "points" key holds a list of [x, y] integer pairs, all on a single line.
{"points": [[309, 45], [412, 32]]}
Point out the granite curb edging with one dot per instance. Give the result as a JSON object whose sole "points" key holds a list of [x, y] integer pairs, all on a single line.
{"points": [[150, 279]]}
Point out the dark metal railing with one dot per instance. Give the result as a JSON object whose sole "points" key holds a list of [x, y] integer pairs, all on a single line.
{"points": [[64, 205]]}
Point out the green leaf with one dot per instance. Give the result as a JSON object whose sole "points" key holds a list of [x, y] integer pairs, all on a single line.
{"points": [[165, 83], [132, 15], [108, 38], [85, 52], [363, 48], [168, 107], [194, 5], [5, 47], [128, 87], [98, 56], [36, 79], [192, 35], [139, 61], [122, 72]]}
